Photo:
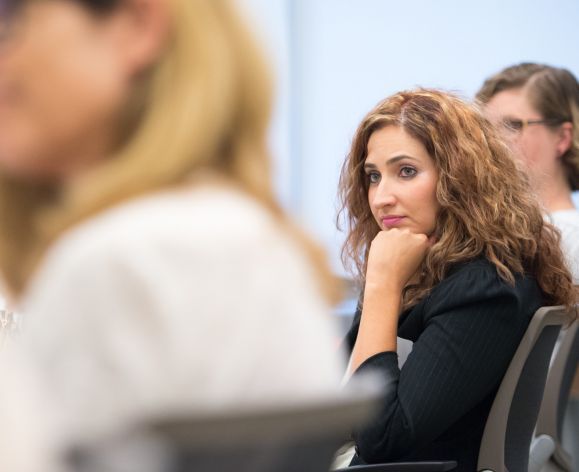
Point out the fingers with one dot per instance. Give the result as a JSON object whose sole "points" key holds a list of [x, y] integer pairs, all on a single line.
{"points": [[395, 255], [403, 236]]}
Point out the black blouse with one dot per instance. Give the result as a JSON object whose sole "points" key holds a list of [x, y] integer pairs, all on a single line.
{"points": [[465, 333]]}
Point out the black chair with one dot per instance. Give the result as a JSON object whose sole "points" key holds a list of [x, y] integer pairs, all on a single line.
{"points": [[299, 437], [547, 452], [509, 428]]}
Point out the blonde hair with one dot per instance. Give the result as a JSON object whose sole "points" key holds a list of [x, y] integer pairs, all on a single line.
{"points": [[204, 105], [486, 207]]}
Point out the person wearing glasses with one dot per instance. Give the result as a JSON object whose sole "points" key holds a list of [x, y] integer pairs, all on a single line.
{"points": [[453, 254], [536, 107], [141, 237]]}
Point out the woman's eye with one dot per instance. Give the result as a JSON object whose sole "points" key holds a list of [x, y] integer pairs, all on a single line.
{"points": [[407, 171], [373, 177], [512, 125]]}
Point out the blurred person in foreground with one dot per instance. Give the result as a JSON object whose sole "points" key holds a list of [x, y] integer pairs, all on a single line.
{"points": [[536, 107], [453, 254], [140, 235]]}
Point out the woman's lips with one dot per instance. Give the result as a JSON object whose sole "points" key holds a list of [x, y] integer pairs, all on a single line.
{"points": [[390, 221]]}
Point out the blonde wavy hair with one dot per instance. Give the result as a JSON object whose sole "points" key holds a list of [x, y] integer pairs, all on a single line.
{"points": [[486, 206], [204, 105]]}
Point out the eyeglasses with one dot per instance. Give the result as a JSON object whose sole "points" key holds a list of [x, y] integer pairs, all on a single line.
{"points": [[518, 126]]}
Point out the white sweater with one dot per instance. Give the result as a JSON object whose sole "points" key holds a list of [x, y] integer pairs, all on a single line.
{"points": [[568, 223], [188, 300]]}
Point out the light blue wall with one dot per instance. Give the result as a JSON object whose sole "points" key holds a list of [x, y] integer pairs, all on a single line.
{"points": [[336, 58]]}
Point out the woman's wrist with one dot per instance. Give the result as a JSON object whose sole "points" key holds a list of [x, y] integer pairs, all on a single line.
{"points": [[383, 287]]}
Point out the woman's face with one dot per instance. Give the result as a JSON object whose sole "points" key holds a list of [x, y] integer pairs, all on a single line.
{"points": [[402, 182], [62, 83], [534, 144]]}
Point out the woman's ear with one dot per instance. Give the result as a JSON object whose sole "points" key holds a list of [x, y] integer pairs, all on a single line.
{"points": [[565, 138], [140, 29]]}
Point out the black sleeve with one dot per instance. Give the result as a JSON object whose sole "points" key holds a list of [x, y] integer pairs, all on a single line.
{"points": [[472, 327], [350, 338]]}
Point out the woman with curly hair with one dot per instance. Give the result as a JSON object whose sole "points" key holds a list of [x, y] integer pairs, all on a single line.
{"points": [[453, 253]]}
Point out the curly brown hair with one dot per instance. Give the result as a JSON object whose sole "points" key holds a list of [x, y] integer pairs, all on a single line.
{"points": [[486, 206]]}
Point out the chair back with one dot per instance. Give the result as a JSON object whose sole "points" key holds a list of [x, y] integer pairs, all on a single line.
{"points": [[509, 428], [290, 438], [557, 389]]}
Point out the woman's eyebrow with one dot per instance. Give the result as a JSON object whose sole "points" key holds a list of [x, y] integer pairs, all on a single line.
{"points": [[395, 159], [390, 161]]}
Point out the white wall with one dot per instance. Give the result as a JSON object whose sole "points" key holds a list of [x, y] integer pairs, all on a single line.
{"points": [[336, 58]]}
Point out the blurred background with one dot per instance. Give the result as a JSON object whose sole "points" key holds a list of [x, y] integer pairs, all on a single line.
{"points": [[334, 59]]}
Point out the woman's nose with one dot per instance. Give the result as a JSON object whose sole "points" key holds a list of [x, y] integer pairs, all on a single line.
{"points": [[383, 196]]}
